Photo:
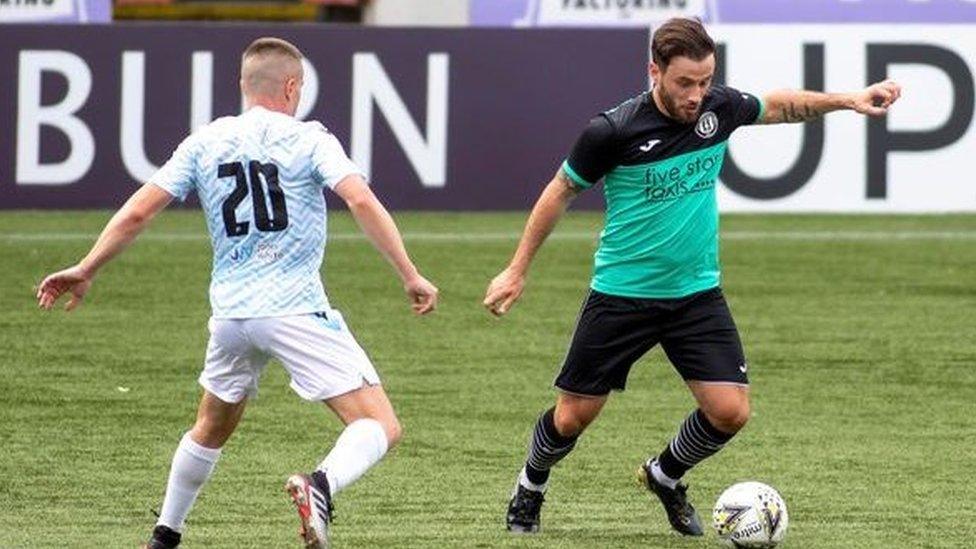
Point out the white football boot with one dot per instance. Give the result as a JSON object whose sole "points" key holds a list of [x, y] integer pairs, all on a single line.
{"points": [[313, 499]]}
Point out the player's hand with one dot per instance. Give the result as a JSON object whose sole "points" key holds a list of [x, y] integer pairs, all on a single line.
{"points": [[73, 280], [423, 295], [504, 291], [875, 99]]}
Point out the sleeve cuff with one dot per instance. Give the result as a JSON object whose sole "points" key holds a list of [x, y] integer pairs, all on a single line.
{"points": [[762, 110], [579, 181], [174, 192]]}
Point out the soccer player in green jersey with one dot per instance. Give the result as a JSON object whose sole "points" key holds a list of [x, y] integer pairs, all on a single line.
{"points": [[656, 274]]}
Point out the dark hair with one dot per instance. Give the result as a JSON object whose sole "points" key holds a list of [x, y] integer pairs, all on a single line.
{"points": [[268, 44], [680, 36]]}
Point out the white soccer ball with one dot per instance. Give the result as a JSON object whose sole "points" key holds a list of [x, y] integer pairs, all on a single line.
{"points": [[750, 514]]}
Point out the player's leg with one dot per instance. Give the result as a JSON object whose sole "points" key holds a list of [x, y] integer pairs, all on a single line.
{"points": [[723, 410], [555, 434], [553, 438], [196, 456], [327, 364], [229, 376], [704, 346], [372, 428], [611, 334]]}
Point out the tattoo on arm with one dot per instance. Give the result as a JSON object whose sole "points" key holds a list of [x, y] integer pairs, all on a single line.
{"points": [[790, 113]]}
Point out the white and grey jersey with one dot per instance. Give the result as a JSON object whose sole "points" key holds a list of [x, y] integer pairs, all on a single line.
{"points": [[259, 177]]}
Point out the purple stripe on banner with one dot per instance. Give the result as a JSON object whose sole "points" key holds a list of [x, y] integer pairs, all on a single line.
{"points": [[99, 11], [525, 12], [497, 13], [845, 11]]}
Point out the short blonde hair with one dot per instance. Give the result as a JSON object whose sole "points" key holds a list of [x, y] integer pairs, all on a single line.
{"points": [[269, 44]]}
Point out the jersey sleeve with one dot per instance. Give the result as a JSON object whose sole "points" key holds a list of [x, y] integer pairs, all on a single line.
{"points": [[330, 165], [744, 108], [592, 156], [178, 174]]}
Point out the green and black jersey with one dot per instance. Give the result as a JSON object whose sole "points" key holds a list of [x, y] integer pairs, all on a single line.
{"points": [[660, 239]]}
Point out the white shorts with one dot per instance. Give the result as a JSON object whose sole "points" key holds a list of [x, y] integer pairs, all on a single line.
{"points": [[318, 350]]}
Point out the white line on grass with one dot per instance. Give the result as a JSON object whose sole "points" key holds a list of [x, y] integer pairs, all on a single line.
{"points": [[812, 235]]}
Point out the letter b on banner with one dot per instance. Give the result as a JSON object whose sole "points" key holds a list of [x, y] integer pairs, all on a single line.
{"points": [[31, 115]]}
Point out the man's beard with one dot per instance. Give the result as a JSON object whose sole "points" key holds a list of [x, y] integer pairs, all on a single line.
{"points": [[672, 108]]}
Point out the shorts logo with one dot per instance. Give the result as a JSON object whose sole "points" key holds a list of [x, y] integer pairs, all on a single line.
{"points": [[326, 321], [743, 368], [707, 125]]}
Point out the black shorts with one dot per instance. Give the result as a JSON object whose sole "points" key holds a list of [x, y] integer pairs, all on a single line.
{"points": [[697, 333]]}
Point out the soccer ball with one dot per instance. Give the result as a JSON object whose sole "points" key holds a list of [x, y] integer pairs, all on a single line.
{"points": [[750, 514]]}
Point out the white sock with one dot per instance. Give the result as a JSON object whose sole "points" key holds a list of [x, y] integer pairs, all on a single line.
{"points": [[192, 465], [360, 446], [661, 477], [524, 481]]}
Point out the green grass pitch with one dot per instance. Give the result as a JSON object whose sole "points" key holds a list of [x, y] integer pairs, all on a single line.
{"points": [[860, 333]]}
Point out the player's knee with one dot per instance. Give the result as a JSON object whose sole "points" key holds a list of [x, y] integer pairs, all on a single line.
{"points": [[209, 434], [730, 418], [568, 424]]}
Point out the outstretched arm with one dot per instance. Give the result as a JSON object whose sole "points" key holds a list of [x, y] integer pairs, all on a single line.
{"points": [[381, 230], [786, 106], [506, 288], [120, 231]]}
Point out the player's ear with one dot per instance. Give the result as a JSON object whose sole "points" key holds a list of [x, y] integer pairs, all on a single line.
{"points": [[292, 87], [654, 71]]}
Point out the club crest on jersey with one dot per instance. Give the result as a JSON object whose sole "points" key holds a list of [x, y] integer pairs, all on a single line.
{"points": [[707, 125]]}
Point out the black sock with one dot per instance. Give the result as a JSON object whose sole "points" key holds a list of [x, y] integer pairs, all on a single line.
{"points": [[546, 448], [697, 439]]}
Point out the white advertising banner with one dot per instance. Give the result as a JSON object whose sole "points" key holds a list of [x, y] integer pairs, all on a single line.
{"points": [[55, 11], [612, 12], [36, 10], [917, 159]]}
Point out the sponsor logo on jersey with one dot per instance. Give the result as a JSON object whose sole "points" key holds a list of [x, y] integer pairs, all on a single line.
{"points": [[263, 252], [268, 253], [240, 254], [671, 182]]}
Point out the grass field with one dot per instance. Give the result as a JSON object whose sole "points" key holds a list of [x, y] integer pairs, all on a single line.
{"points": [[860, 333]]}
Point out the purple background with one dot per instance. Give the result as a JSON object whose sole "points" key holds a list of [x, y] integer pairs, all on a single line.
{"points": [[505, 12], [518, 100]]}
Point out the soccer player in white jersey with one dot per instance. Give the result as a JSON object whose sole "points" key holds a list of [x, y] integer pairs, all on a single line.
{"points": [[259, 177]]}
